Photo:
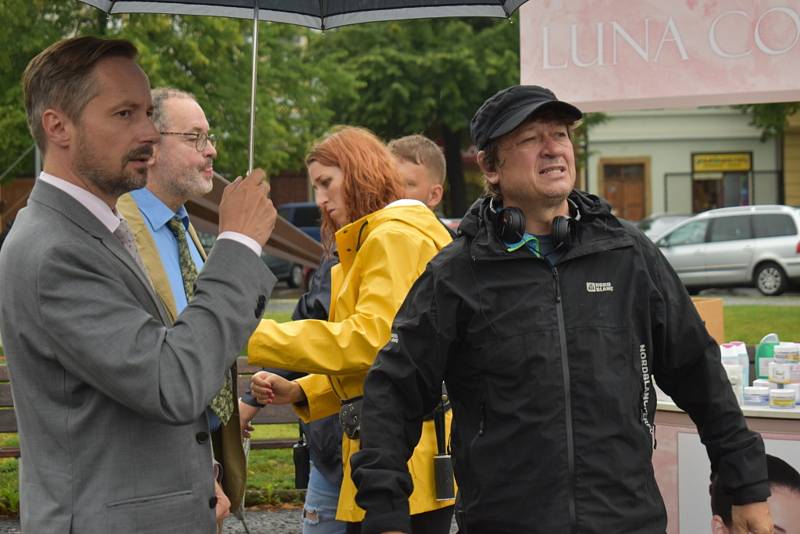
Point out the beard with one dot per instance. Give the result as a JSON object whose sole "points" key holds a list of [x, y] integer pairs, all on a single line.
{"points": [[112, 182], [187, 183]]}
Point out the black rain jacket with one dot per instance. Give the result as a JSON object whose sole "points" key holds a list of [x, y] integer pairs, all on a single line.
{"points": [[550, 373]]}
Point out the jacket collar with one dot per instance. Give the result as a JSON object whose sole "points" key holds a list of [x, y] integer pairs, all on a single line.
{"points": [[94, 204], [351, 237], [156, 213], [127, 207], [61, 202], [598, 230]]}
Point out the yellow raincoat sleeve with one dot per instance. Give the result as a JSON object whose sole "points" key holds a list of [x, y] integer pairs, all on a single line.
{"points": [[321, 400], [385, 267]]}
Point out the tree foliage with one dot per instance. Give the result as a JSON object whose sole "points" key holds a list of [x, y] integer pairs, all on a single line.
{"points": [[212, 58], [422, 76], [772, 118], [28, 27], [208, 56]]}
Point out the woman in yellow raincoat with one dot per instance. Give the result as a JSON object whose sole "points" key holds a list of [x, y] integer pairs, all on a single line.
{"points": [[384, 243]]}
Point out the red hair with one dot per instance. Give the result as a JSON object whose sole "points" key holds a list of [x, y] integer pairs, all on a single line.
{"points": [[371, 180]]}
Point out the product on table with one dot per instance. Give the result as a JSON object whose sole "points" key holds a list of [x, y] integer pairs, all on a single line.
{"points": [[735, 352], [735, 377], [781, 398], [780, 372], [762, 383], [756, 396], [786, 352], [764, 354], [796, 389]]}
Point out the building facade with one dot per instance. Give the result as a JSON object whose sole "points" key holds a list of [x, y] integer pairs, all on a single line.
{"points": [[791, 161], [684, 161]]}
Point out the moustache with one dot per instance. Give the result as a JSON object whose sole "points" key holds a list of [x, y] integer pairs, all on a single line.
{"points": [[143, 152]]}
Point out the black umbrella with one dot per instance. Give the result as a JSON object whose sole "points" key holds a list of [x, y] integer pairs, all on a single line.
{"points": [[319, 14]]}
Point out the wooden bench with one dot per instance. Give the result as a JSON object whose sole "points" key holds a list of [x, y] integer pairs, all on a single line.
{"points": [[8, 420], [270, 415]]}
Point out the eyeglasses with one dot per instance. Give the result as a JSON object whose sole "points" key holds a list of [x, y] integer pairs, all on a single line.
{"points": [[201, 139]]}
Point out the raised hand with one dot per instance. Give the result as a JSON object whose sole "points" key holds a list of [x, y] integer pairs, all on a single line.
{"points": [[245, 207]]}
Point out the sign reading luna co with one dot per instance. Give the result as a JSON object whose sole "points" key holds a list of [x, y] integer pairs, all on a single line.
{"points": [[604, 56]]}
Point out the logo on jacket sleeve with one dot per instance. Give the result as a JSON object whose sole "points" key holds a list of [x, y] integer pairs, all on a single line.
{"points": [[599, 287]]}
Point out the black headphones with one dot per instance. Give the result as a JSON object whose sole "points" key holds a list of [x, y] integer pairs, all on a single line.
{"points": [[510, 225]]}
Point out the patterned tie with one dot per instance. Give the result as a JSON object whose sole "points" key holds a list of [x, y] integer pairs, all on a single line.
{"points": [[222, 404]]}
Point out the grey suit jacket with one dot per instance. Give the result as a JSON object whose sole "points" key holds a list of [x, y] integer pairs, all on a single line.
{"points": [[110, 401]]}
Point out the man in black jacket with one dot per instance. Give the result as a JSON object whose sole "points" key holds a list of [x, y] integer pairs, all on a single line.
{"points": [[548, 319]]}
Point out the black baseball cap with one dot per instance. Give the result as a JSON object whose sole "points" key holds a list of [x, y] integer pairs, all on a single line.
{"points": [[508, 108]]}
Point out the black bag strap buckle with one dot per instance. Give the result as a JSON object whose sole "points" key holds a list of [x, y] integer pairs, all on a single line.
{"points": [[350, 417]]}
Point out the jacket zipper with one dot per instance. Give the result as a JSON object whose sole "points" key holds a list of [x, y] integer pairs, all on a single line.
{"points": [[562, 336]]}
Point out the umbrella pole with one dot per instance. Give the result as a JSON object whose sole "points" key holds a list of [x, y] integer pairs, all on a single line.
{"points": [[253, 76]]}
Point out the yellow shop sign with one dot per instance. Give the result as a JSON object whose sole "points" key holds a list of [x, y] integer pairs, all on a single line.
{"points": [[722, 162]]}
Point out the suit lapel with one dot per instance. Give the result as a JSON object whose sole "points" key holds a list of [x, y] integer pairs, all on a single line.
{"points": [[148, 250], [70, 208], [197, 243]]}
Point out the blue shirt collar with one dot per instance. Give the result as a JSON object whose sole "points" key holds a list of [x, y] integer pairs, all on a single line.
{"points": [[155, 212]]}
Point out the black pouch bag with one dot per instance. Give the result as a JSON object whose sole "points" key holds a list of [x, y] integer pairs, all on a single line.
{"points": [[302, 462]]}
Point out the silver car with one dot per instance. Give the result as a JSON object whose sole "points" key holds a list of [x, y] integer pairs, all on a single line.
{"points": [[742, 246], [657, 224]]}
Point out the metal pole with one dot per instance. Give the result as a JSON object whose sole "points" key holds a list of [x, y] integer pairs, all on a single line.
{"points": [[586, 160], [37, 162], [253, 88], [13, 165]]}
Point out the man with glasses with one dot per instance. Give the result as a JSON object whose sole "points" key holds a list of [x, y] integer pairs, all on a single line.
{"points": [[182, 168]]}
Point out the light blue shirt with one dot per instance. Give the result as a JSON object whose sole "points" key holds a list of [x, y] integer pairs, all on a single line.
{"points": [[157, 214]]}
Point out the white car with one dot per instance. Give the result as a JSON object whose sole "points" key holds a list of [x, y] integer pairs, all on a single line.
{"points": [[742, 246]]}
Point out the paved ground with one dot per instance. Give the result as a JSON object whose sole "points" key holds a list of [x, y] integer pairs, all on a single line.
{"points": [[267, 522], [273, 522], [258, 522]]}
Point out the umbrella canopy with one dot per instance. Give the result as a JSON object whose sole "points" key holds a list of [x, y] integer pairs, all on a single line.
{"points": [[319, 14]]}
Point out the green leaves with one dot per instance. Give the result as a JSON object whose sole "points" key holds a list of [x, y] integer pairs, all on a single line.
{"points": [[772, 118], [208, 56], [422, 76]]}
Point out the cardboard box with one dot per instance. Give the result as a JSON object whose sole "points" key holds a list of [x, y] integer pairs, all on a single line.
{"points": [[710, 310]]}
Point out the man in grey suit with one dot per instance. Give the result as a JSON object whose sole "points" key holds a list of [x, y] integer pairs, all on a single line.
{"points": [[110, 400]]}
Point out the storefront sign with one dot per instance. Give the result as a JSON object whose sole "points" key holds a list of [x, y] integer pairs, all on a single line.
{"points": [[724, 162], [605, 55]]}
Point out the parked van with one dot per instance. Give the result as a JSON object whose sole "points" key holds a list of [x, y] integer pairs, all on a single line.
{"points": [[741, 246], [306, 217]]}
